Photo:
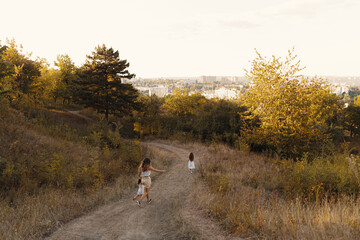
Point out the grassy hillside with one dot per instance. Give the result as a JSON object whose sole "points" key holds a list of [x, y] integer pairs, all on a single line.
{"points": [[255, 196], [56, 165], [59, 163]]}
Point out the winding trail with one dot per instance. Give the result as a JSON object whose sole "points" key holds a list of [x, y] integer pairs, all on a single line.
{"points": [[171, 215], [78, 114]]}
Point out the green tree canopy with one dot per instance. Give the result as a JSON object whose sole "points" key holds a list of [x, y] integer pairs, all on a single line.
{"points": [[47, 82], [296, 112], [219, 119], [148, 118], [5, 70], [100, 85], [181, 104], [357, 101], [354, 92], [25, 70], [65, 83], [352, 119], [4, 66]]}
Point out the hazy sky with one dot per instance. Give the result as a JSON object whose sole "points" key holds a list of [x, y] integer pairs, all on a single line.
{"points": [[162, 38]]}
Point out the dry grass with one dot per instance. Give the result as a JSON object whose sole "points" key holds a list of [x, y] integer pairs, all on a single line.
{"points": [[50, 174], [37, 215], [33, 216], [185, 230], [242, 195]]}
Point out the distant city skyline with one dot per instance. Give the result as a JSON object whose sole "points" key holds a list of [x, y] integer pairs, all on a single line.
{"points": [[191, 38]]}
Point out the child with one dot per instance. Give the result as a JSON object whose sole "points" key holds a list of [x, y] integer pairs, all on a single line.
{"points": [[191, 163], [140, 190]]}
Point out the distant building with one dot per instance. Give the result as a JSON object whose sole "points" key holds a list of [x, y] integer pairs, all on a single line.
{"points": [[126, 80], [340, 89], [223, 80], [143, 90], [207, 79], [222, 93], [226, 93], [160, 91], [234, 79]]}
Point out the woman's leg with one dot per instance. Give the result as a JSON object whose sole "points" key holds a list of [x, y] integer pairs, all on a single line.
{"points": [[146, 194]]}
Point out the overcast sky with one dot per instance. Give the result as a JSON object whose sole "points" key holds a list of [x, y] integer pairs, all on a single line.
{"points": [[164, 38]]}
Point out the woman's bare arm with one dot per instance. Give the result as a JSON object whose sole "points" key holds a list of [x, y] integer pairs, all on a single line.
{"points": [[139, 171], [155, 170]]}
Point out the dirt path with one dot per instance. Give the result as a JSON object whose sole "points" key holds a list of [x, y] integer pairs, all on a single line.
{"points": [[171, 215], [78, 114]]}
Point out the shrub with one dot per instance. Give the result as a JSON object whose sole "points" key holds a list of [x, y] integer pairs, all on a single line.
{"points": [[327, 175]]}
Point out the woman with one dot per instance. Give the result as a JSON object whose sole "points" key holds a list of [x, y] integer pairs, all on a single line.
{"points": [[144, 173]]}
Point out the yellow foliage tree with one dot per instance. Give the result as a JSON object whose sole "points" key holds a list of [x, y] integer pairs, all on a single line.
{"points": [[181, 104], [295, 112], [357, 101]]}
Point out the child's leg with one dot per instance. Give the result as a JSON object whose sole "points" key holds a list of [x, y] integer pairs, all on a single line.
{"points": [[135, 196]]}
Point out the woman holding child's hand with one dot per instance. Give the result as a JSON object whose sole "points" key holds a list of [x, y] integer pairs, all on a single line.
{"points": [[144, 173]]}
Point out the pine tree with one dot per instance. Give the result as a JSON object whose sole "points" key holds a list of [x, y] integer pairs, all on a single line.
{"points": [[100, 85]]}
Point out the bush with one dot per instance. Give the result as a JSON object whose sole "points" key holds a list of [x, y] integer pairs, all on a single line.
{"points": [[324, 175]]}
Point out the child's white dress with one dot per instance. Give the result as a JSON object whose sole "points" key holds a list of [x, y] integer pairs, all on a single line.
{"points": [[140, 190], [191, 165]]}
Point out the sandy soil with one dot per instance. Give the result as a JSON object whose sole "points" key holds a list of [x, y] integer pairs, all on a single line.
{"points": [[171, 215]]}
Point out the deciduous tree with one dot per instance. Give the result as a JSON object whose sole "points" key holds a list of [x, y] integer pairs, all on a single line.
{"points": [[5, 70], [296, 112], [181, 104], [219, 119], [25, 71], [65, 83], [352, 119], [47, 82], [148, 119]]}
